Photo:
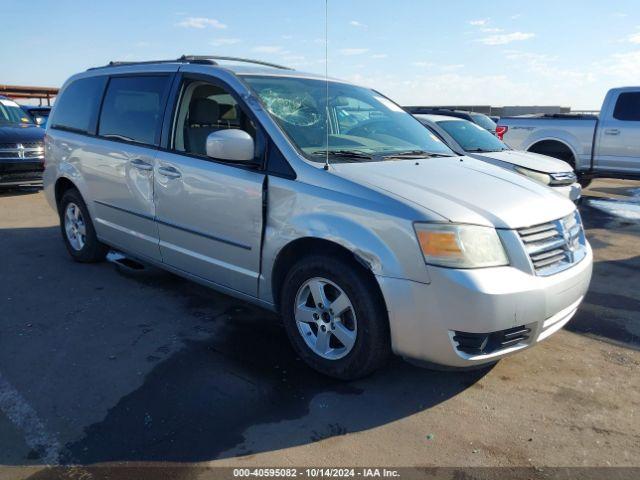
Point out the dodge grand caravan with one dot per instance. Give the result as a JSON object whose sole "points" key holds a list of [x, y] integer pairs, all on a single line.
{"points": [[318, 199]]}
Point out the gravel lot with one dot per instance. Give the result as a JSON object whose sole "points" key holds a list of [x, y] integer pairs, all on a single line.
{"points": [[100, 364]]}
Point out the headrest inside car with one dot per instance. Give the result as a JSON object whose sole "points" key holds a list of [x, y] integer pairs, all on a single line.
{"points": [[204, 111]]}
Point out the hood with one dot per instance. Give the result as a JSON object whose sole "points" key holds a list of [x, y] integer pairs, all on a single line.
{"points": [[533, 161], [462, 190], [21, 133]]}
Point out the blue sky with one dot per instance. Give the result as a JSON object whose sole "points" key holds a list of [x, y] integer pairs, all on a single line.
{"points": [[495, 52]]}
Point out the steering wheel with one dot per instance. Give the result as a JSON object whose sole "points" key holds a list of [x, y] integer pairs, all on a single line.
{"points": [[371, 127]]}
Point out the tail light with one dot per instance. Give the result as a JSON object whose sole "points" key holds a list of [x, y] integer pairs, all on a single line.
{"points": [[500, 131]]}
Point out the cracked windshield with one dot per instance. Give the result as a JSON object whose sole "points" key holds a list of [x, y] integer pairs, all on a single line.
{"points": [[356, 124]]}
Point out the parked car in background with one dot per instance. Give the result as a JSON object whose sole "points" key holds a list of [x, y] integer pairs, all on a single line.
{"points": [[39, 114], [367, 234], [467, 138], [478, 118], [495, 119], [606, 145], [21, 146]]}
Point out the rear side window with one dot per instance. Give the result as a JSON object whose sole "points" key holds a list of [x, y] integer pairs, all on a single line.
{"points": [[77, 107], [132, 109], [628, 107]]}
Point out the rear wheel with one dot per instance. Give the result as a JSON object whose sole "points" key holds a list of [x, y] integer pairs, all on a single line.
{"points": [[77, 229], [335, 318]]}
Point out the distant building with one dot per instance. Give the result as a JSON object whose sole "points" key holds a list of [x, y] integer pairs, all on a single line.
{"points": [[511, 110], [30, 94]]}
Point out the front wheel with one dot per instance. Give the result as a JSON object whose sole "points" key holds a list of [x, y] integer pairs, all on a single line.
{"points": [[335, 318]]}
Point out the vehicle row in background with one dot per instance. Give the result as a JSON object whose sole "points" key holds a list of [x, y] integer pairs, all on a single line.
{"points": [[21, 146], [466, 138], [604, 145], [38, 113], [478, 118]]}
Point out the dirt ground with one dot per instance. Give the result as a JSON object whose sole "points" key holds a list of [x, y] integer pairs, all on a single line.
{"points": [[103, 365]]}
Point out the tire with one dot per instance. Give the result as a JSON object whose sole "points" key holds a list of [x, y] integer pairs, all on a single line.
{"points": [[584, 182], [365, 320], [84, 248]]}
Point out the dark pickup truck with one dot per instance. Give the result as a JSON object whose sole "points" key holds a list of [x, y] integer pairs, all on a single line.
{"points": [[21, 146]]}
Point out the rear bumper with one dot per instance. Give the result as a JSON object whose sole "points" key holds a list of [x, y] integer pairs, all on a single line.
{"points": [[425, 318]]}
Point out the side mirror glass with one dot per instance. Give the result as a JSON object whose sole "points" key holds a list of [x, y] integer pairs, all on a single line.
{"points": [[233, 144]]}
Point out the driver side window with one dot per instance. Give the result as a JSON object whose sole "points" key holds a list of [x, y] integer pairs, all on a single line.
{"points": [[205, 108]]}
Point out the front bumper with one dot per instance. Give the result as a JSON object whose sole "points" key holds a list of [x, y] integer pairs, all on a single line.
{"points": [[424, 318], [573, 192], [21, 177]]}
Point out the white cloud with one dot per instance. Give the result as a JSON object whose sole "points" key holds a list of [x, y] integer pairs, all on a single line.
{"points": [[224, 41], [355, 23], [201, 22], [479, 22], [352, 51], [379, 55], [294, 58], [634, 38], [268, 49], [516, 16], [450, 68], [624, 67], [506, 38], [491, 30], [422, 64], [619, 15]]}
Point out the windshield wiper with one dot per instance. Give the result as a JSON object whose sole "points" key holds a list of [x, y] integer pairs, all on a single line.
{"points": [[344, 154], [482, 150], [416, 154]]}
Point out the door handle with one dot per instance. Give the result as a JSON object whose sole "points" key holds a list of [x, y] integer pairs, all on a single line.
{"points": [[170, 172], [612, 131], [141, 165]]}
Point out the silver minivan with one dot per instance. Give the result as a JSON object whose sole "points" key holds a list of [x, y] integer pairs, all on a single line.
{"points": [[318, 199]]}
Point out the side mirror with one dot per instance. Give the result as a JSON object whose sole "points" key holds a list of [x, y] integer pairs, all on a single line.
{"points": [[232, 144]]}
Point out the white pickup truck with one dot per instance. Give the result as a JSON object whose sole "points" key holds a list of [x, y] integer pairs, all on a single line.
{"points": [[605, 145]]}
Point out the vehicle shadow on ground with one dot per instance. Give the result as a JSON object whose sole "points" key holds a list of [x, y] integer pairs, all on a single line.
{"points": [[232, 386], [611, 317], [244, 392], [18, 191]]}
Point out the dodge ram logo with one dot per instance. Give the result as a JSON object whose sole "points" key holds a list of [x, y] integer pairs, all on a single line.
{"points": [[20, 151]]}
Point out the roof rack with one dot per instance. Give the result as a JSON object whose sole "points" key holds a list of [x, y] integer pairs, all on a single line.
{"points": [[200, 59]]}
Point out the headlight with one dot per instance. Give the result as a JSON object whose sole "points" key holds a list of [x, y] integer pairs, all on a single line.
{"points": [[460, 246], [540, 177]]}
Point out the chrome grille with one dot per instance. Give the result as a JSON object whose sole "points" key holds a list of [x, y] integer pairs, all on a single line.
{"points": [[554, 246], [22, 151]]}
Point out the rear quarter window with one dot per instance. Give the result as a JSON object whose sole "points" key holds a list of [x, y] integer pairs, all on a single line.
{"points": [[133, 107], [77, 107], [628, 107]]}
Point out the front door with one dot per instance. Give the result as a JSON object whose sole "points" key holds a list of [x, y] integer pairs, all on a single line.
{"points": [[618, 146], [208, 212]]}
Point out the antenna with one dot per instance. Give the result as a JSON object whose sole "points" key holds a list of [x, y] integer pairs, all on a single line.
{"points": [[326, 78]]}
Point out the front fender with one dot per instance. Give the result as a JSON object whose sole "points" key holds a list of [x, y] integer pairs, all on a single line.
{"points": [[383, 241]]}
